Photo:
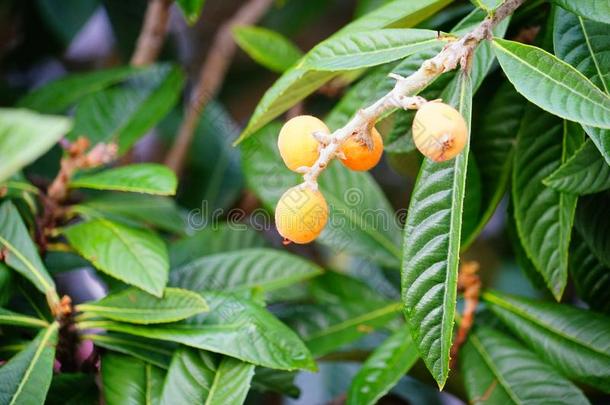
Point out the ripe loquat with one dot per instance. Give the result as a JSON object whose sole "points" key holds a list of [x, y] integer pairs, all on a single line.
{"points": [[357, 154], [301, 214], [296, 142], [439, 131]]}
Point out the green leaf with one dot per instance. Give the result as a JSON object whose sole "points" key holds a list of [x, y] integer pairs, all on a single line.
{"points": [[499, 370], [123, 114], [235, 327], [591, 277], [543, 216], [585, 172], [383, 368], [135, 306], [552, 84], [191, 9], [592, 222], [265, 269], [134, 209], [266, 379], [147, 178], [63, 392], [127, 380], [13, 318], [591, 9], [297, 83], [267, 47], [58, 95], [151, 351], [432, 245], [195, 378], [21, 253], [25, 136], [574, 341], [584, 44], [219, 238], [134, 256], [25, 378], [357, 204]]}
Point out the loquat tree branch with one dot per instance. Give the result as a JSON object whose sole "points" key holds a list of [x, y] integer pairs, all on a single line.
{"points": [[211, 76], [457, 52], [152, 35]]}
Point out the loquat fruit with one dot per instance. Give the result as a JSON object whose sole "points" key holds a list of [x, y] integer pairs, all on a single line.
{"points": [[358, 156], [296, 142], [301, 214], [439, 131]]}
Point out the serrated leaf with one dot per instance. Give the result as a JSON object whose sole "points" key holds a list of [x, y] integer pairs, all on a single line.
{"points": [[25, 136], [591, 9], [584, 44], [585, 172], [264, 269], [21, 253], [58, 95], [136, 306], [552, 84], [543, 216], [432, 245], [383, 368], [499, 370], [592, 222], [191, 9], [361, 220], [25, 378], [574, 341], [124, 113], [269, 48], [235, 327], [146, 178], [127, 380], [13, 318], [151, 351], [134, 256]]}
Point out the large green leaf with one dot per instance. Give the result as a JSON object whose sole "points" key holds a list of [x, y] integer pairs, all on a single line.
{"points": [[585, 172], [265, 269], [235, 327], [123, 114], [151, 351], [191, 9], [127, 380], [13, 318], [134, 256], [593, 222], [361, 220], [25, 136], [267, 47], [499, 370], [574, 341], [136, 306], [544, 217], [432, 245], [383, 368], [297, 83], [584, 44], [591, 277], [196, 377], [63, 392], [598, 10], [26, 377], [21, 253], [58, 95], [147, 178], [552, 84]]}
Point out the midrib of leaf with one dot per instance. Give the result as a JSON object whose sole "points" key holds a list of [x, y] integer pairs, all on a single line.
{"points": [[593, 56], [474, 340], [20, 186], [28, 264], [148, 369], [394, 307], [95, 308], [502, 49], [43, 344], [507, 305], [134, 189], [214, 386], [25, 320]]}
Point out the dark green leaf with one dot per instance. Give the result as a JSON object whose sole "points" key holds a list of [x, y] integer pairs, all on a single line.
{"points": [[266, 379], [593, 222], [191, 9], [13, 318], [598, 10], [73, 389], [127, 380], [147, 178], [134, 256], [151, 351], [269, 48]]}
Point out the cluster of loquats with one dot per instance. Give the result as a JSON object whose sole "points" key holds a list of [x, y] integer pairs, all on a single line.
{"points": [[439, 132]]}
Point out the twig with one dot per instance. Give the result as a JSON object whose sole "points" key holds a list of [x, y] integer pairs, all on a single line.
{"points": [[152, 34], [211, 76], [453, 54], [470, 283]]}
